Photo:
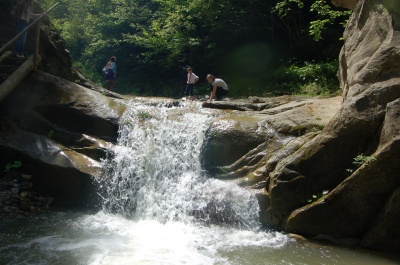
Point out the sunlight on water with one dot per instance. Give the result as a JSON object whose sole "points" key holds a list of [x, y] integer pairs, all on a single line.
{"points": [[160, 208], [105, 238], [150, 242], [155, 171], [109, 239]]}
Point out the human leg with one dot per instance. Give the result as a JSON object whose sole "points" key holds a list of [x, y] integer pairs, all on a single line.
{"points": [[20, 43], [111, 85], [221, 93], [110, 79], [189, 90]]}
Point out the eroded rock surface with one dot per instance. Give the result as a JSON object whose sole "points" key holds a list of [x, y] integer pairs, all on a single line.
{"points": [[61, 131], [348, 199], [242, 140]]}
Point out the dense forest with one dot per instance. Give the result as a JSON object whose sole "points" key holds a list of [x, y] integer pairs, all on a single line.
{"points": [[259, 47]]}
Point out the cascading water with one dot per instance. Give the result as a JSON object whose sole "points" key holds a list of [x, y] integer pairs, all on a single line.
{"points": [[155, 171], [161, 209]]}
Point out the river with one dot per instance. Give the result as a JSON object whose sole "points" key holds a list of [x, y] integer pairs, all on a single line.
{"points": [[160, 208]]}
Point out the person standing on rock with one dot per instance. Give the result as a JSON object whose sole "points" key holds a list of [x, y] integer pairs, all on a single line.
{"points": [[110, 71], [23, 14], [218, 87], [191, 79]]}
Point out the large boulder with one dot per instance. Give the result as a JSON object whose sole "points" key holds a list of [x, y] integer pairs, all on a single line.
{"points": [[60, 131], [242, 141], [385, 231], [366, 125], [349, 210]]}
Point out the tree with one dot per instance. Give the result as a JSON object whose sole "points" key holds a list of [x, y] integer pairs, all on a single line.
{"points": [[155, 40]]}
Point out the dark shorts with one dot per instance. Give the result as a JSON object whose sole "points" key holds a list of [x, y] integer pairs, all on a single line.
{"points": [[189, 89], [220, 93], [110, 75]]}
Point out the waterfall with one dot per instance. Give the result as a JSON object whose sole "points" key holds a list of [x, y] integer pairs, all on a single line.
{"points": [[160, 208], [154, 171]]}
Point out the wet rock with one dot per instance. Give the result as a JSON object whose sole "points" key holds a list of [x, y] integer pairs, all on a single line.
{"points": [[229, 138], [27, 177], [24, 205], [367, 124], [19, 203], [26, 185], [7, 209], [384, 233], [24, 194]]}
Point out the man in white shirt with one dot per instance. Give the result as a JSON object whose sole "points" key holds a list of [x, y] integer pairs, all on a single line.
{"points": [[219, 89]]}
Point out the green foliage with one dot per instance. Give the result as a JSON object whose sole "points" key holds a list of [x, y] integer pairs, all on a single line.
{"points": [[285, 8], [362, 160], [295, 12], [15, 164], [316, 196], [308, 78], [50, 134], [313, 198], [327, 16], [155, 40]]}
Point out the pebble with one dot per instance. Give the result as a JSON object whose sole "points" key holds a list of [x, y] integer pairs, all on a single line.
{"points": [[17, 198], [27, 177]]}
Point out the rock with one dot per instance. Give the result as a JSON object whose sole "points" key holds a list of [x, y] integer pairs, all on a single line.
{"points": [[369, 124], [7, 209], [3, 196], [49, 201], [229, 138], [24, 205], [24, 194], [384, 233], [26, 185], [14, 191], [256, 100], [263, 199], [238, 105], [233, 139], [66, 132], [301, 116], [27, 177]]}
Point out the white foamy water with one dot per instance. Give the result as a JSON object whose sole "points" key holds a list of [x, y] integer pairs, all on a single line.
{"points": [[105, 238], [155, 171], [160, 208]]}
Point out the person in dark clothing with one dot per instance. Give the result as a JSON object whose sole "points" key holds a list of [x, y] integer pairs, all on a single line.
{"points": [[110, 71], [23, 14]]}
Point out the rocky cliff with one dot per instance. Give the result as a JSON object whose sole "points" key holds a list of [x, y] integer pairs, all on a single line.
{"points": [[343, 185]]}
